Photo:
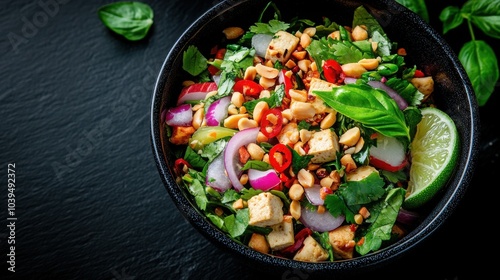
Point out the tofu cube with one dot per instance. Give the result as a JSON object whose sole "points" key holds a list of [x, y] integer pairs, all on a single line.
{"points": [[265, 209], [302, 110], [320, 85], [323, 146], [281, 47], [342, 241], [311, 251], [282, 235]]}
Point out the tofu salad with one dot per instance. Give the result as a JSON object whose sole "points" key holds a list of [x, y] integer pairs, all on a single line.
{"points": [[294, 136]]}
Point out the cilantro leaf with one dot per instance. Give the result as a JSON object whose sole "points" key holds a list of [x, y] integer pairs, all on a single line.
{"points": [[197, 189], [336, 206], [237, 224], [364, 191], [229, 196], [272, 27], [193, 61]]}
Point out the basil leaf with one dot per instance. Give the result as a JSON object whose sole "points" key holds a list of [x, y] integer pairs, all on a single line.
{"points": [[451, 18], [416, 6], [129, 19], [481, 65], [369, 106], [485, 15]]}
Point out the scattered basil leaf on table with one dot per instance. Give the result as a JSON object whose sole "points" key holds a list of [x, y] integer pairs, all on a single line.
{"points": [[129, 19], [481, 65], [477, 57], [417, 6]]}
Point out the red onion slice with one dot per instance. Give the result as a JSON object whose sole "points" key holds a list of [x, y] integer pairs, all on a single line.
{"points": [[402, 104], [216, 177], [313, 194], [263, 180], [408, 217], [179, 116], [260, 42], [350, 80], [320, 222], [217, 111], [231, 155]]}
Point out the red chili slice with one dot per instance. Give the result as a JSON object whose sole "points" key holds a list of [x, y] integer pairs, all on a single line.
{"points": [[287, 181], [248, 88], [286, 154], [179, 166], [418, 74], [271, 122], [333, 72]]}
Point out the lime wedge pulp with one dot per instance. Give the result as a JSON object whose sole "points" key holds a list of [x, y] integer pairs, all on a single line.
{"points": [[434, 153]]}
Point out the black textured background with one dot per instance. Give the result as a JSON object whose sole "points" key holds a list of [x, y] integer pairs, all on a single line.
{"points": [[74, 104]]}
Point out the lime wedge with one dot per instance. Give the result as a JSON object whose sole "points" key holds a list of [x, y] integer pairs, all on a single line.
{"points": [[434, 153]]}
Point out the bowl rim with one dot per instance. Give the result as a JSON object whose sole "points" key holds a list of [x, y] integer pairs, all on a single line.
{"points": [[414, 238]]}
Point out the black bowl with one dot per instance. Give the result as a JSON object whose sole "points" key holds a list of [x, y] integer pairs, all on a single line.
{"points": [[429, 51]]}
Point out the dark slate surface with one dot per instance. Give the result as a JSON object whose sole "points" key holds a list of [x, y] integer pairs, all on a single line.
{"points": [[90, 204]]}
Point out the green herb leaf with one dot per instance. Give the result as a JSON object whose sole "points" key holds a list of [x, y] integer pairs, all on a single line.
{"points": [[416, 6], [451, 18], [369, 106], [237, 224], [194, 158], [132, 20], [380, 230], [364, 191], [485, 15], [197, 189], [230, 196], [257, 164], [269, 28], [298, 161], [375, 30], [481, 65], [193, 61], [336, 206]]}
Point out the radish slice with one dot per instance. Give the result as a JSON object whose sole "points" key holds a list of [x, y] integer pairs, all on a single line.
{"points": [[217, 111], [263, 180], [402, 104], [179, 116], [196, 92], [321, 222], [389, 154], [313, 195], [216, 177], [260, 42], [231, 155]]}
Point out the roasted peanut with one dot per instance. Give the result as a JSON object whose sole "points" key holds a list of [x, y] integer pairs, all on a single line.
{"points": [[306, 179], [233, 32]]}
